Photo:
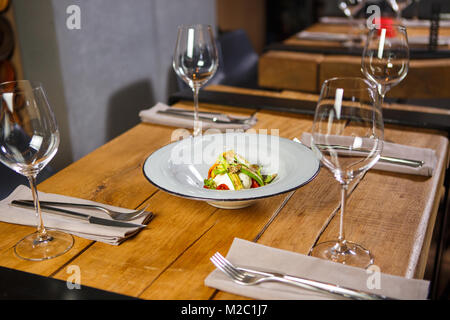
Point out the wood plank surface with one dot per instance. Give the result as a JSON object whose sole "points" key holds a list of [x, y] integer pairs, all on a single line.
{"points": [[289, 70], [170, 258], [426, 78]]}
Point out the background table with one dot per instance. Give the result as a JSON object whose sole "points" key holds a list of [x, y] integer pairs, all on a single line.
{"points": [[391, 214], [306, 71]]}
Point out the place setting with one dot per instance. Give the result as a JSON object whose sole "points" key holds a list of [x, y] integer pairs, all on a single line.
{"points": [[348, 138], [31, 141], [195, 62]]}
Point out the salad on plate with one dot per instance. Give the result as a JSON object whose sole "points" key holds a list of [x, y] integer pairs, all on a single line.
{"points": [[232, 172]]}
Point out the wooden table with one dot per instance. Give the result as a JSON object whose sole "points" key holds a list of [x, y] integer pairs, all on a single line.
{"points": [[306, 71], [392, 214]]}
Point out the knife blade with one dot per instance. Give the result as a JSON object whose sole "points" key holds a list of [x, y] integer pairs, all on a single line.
{"points": [[400, 161], [211, 116], [191, 112], [78, 215], [189, 116]]}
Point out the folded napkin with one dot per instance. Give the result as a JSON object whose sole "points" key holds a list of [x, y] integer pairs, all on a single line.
{"points": [[405, 22], [424, 23], [151, 115], [323, 36], [256, 256], [425, 40], [339, 20], [398, 151], [107, 234]]}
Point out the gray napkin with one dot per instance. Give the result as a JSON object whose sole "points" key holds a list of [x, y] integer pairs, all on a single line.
{"points": [[399, 151], [339, 20], [252, 255], [107, 234], [150, 115], [323, 36], [425, 40], [424, 23], [405, 22]]}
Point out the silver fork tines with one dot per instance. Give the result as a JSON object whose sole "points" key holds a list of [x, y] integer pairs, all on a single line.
{"points": [[245, 276]]}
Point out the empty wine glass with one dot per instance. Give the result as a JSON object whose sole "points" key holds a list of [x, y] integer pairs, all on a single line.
{"points": [[385, 58], [29, 139], [350, 8], [398, 6], [347, 136], [195, 60]]}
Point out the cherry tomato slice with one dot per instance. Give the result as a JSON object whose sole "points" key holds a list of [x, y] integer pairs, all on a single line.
{"points": [[222, 187], [254, 184]]}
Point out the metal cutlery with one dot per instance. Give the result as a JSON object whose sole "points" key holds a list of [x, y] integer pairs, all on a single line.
{"points": [[244, 276], [207, 116], [116, 215], [77, 215], [400, 161]]}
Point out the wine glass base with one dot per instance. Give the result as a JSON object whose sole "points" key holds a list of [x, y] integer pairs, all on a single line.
{"points": [[353, 255], [35, 249]]}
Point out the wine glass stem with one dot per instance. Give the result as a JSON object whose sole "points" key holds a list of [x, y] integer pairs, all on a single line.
{"points": [[197, 127], [42, 233], [382, 92], [342, 242]]}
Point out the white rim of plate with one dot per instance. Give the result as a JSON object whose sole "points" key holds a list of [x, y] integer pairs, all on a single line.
{"points": [[173, 144]]}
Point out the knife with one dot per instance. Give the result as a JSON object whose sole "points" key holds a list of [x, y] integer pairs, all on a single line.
{"points": [[399, 161], [201, 113], [211, 118], [78, 215], [191, 116]]}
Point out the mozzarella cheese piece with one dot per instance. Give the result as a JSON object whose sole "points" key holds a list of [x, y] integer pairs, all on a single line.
{"points": [[224, 179], [246, 180]]}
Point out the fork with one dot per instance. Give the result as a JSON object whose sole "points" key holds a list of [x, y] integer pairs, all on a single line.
{"points": [[115, 215], [247, 277]]}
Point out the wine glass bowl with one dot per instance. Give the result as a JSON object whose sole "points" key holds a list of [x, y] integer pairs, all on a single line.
{"points": [[398, 6], [385, 58], [195, 60], [29, 139], [350, 8], [347, 136]]}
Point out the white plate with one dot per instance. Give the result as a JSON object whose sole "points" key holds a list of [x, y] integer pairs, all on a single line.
{"points": [[180, 167]]}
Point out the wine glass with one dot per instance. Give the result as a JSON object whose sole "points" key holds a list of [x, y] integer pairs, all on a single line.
{"points": [[350, 8], [29, 139], [385, 58], [398, 6], [195, 60], [347, 136]]}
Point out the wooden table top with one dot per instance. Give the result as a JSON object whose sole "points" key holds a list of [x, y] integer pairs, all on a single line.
{"points": [[304, 70], [391, 214]]}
